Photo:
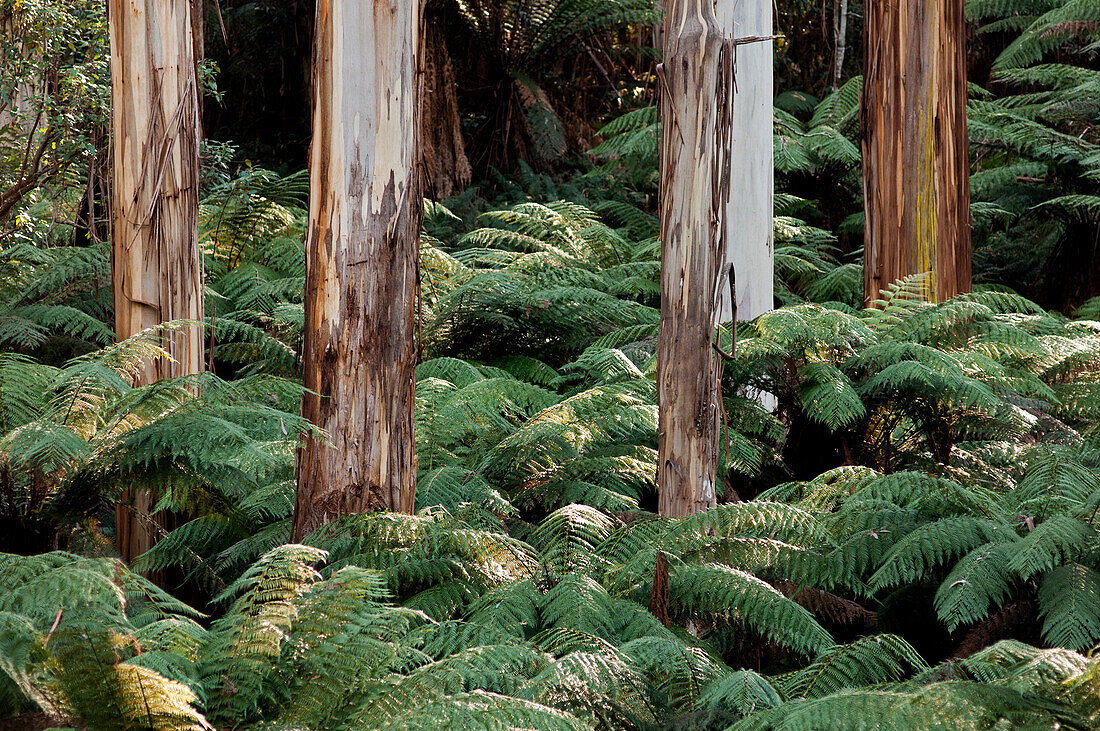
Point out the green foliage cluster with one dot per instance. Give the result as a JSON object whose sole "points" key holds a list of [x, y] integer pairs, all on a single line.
{"points": [[527, 58], [54, 100]]}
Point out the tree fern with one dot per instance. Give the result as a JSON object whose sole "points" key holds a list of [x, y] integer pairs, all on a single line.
{"points": [[243, 644]]}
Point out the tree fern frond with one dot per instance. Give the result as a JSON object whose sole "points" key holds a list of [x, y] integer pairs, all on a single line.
{"points": [[725, 591], [979, 583], [922, 550], [1069, 600], [867, 661]]}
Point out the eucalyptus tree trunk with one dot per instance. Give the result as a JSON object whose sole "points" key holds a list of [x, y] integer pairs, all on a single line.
{"points": [[16, 91], [915, 158], [750, 212], [840, 40], [694, 192], [361, 258], [27, 83], [156, 265]]}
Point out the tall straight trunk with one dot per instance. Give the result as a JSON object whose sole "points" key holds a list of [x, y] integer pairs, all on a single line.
{"points": [[840, 40], [749, 219], [361, 258], [26, 88], [16, 94], [694, 191], [915, 159], [156, 265]]}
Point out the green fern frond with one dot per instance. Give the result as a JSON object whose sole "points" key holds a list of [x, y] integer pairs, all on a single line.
{"points": [[979, 583], [477, 709], [725, 591], [1069, 601], [867, 661], [744, 690], [931, 545]]}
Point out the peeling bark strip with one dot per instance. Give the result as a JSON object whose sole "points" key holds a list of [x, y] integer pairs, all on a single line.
{"points": [[361, 258], [696, 104], [915, 156], [156, 266]]}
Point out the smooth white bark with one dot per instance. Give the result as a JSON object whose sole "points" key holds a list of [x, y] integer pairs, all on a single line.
{"points": [[840, 40], [749, 214]]}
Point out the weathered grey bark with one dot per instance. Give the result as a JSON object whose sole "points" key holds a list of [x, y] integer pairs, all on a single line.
{"points": [[361, 259], [695, 105], [156, 265], [915, 155], [749, 219]]}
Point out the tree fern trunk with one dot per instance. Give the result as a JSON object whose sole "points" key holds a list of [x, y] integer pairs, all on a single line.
{"points": [[694, 190], [361, 259], [443, 151], [156, 265], [915, 155]]}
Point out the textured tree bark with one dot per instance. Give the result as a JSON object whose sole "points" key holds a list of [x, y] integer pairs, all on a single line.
{"points": [[156, 265], [695, 107], [749, 219], [915, 155], [361, 259], [442, 149]]}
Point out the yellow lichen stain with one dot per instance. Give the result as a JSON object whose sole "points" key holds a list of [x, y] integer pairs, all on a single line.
{"points": [[926, 213]]}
